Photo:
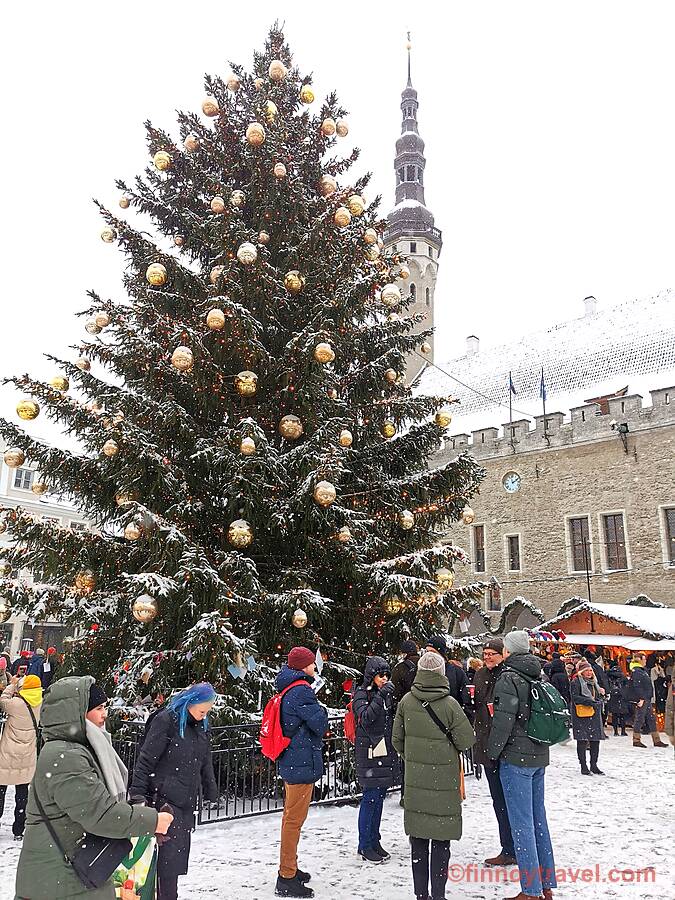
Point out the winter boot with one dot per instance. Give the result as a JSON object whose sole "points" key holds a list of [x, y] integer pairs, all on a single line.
{"points": [[501, 859], [596, 771], [371, 856], [383, 853], [624, 733], [656, 737], [637, 742], [303, 877], [292, 887]]}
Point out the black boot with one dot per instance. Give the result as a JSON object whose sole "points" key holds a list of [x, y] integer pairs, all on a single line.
{"points": [[595, 752], [581, 755], [302, 877], [292, 887]]}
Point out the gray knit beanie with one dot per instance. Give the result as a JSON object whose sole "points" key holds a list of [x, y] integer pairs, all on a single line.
{"points": [[517, 642], [432, 662]]}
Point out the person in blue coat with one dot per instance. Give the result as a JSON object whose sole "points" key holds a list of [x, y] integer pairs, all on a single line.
{"points": [[304, 720]]}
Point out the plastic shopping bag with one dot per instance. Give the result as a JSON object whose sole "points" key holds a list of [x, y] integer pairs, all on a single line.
{"points": [[136, 876]]}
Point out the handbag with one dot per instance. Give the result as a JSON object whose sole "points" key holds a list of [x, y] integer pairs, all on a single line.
{"points": [[462, 786], [583, 711], [95, 858]]}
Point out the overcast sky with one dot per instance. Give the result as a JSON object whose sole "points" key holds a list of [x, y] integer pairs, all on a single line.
{"points": [[548, 127]]}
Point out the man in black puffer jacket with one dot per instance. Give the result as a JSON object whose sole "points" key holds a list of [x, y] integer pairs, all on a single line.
{"points": [[641, 692]]}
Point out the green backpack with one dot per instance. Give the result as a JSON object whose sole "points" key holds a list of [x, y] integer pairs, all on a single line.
{"points": [[550, 720]]}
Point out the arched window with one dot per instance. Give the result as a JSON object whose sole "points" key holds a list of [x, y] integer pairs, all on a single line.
{"points": [[413, 292], [428, 296]]}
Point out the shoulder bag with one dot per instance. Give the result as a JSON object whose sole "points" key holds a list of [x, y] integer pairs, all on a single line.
{"points": [[434, 717]]}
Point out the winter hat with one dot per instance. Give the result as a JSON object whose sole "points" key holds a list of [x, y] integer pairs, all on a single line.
{"points": [[97, 697], [431, 662], [30, 682], [300, 657], [438, 642], [496, 644], [583, 665], [408, 647], [39, 652], [517, 642]]}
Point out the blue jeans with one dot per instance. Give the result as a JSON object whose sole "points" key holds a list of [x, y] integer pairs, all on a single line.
{"points": [[370, 816], [524, 795]]}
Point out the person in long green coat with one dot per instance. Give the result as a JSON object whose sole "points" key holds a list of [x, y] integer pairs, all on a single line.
{"points": [[432, 799], [73, 792]]}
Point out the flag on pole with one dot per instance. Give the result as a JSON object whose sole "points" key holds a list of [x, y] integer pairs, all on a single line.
{"points": [[512, 387], [542, 386]]}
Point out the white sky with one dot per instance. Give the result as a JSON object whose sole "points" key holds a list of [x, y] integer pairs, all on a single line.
{"points": [[549, 134]]}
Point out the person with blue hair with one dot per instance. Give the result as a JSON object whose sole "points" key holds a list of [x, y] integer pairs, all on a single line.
{"points": [[173, 762]]}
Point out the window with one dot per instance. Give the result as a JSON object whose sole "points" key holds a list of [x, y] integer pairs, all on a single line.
{"points": [[23, 479], [431, 252], [78, 526], [413, 246], [410, 173], [413, 292], [479, 548], [669, 521], [615, 541], [428, 296], [513, 550], [580, 545]]}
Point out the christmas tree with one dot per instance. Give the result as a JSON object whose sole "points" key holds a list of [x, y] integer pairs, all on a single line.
{"points": [[254, 463]]}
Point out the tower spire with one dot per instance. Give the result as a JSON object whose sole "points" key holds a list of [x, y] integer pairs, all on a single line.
{"points": [[409, 47]]}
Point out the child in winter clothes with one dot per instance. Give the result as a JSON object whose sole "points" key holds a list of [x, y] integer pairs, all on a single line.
{"points": [[18, 744]]}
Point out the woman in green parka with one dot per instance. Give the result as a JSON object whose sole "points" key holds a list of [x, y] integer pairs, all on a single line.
{"points": [[432, 799], [72, 782]]}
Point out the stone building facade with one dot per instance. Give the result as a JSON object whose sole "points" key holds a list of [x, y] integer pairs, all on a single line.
{"points": [[576, 506]]}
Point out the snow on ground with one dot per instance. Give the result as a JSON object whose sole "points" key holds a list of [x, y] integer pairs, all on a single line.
{"points": [[622, 821]]}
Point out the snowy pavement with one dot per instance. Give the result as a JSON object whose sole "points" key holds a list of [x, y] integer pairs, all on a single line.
{"points": [[620, 822]]}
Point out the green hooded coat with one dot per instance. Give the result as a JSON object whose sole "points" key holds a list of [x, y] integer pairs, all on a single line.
{"points": [[75, 798], [431, 800]]}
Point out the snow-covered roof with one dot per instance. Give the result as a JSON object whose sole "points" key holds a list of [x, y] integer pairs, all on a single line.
{"points": [[658, 621], [403, 203], [631, 344]]}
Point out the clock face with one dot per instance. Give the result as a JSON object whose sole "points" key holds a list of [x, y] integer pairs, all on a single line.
{"points": [[511, 482]]}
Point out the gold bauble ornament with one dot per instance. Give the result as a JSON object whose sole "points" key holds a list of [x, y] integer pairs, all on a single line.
{"points": [[291, 427], [108, 235], [327, 185], [5, 607], [233, 82], [240, 533], [162, 160], [277, 70], [342, 217], [279, 170], [259, 84], [14, 458], [85, 582], [215, 273], [178, 240], [426, 347], [247, 254], [60, 383], [342, 128], [110, 448], [328, 127], [182, 359], [468, 515], [344, 535], [156, 274], [391, 295], [210, 107], [247, 446], [246, 383], [27, 409], [271, 111], [372, 253], [391, 375], [406, 519], [443, 418], [255, 134], [324, 353], [332, 394], [393, 605], [444, 579], [404, 273], [83, 364], [294, 281], [102, 319], [325, 493], [237, 199], [356, 205], [370, 236], [215, 319], [132, 532], [217, 205], [91, 327], [125, 201], [388, 429], [346, 438], [191, 143], [299, 618], [306, 94], [39, 488], [5, 570], [144, 608], [263, 237]]}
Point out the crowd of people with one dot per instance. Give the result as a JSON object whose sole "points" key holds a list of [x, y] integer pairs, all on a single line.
{"points": [[412, 722]]}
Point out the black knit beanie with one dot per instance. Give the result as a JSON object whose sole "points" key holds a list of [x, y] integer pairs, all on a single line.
{"points": [[97, 697]]}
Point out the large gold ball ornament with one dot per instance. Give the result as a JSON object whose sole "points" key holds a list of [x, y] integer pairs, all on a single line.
{"points": [[156, 274], [60, 383], [372, 253], [324, 353], [294, 282], [39, 488], [125, 201], [5, 606], [325, 493], [182, 359], [393, 605], [210, 107], [110, 448], [279, 170], [215, 273], [344, 535], [342, 128], [468, 515], [83, 364], [342, 217], [255, 134], [246, 383], [259, 84], [388, 429], [133, 532], [162, 160], [247, 254], [426, 347], [102, 319], [277, 70], [356, 205], [233, 82], [144, 608], [108, 235], [443, 418], [192, 143], [444, 579], [306, 94], [217, 205], [370, 236], [291, 427], [328, 127], [391, 295], [14, 458], [91, 327], [271, 111], [406, 519], [247, 446], [237, 199], [263, 237], [390, 375], [215, 319], [327, 185], [299, 618], [240, 534], [346, 438], [85, 582], [27, 409], [404, 273]]}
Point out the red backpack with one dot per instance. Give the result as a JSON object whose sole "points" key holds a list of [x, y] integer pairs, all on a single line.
{"points": [[273, 742], [350, 724]]}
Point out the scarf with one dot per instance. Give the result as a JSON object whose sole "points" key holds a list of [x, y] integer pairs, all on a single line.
{"points": [[589, 687], [33, 696], [114, 771]]}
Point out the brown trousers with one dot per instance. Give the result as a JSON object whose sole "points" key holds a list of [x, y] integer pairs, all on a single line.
{"points": [[296, 806]]}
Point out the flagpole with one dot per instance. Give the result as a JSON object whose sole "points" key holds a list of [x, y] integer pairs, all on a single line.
{"points": [[513, 446], [543, 403]]}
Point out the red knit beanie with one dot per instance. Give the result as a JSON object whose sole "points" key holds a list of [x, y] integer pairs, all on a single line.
{"points": [[300, 657]]}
